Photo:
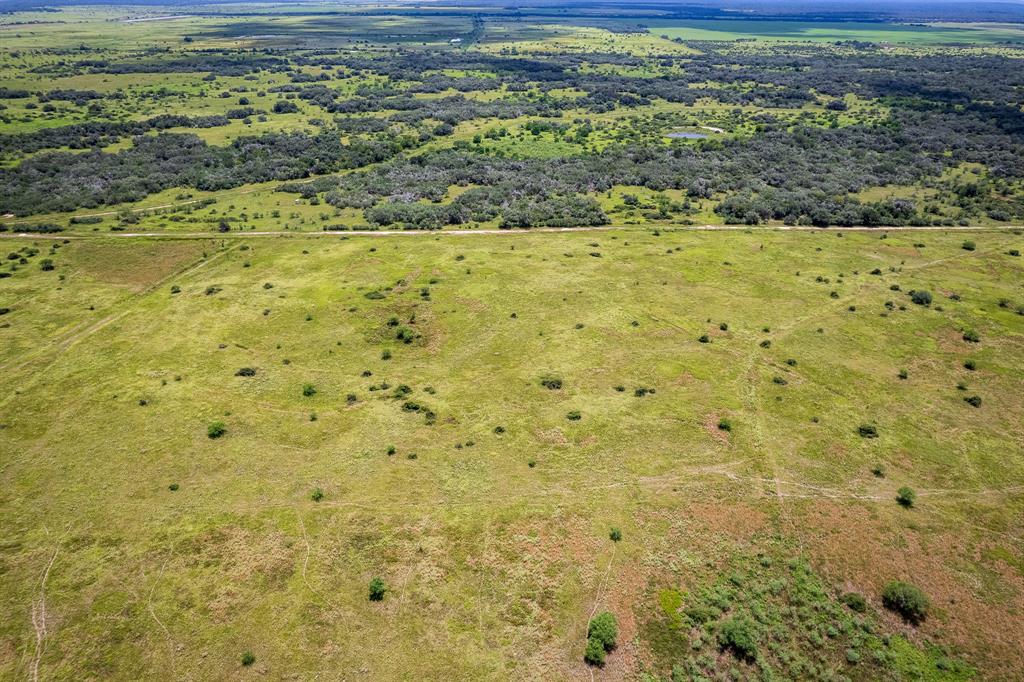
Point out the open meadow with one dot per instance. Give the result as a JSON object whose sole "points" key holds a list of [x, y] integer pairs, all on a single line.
{"points": [[356, 342]]}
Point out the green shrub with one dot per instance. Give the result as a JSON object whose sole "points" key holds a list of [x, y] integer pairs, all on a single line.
{"points": [[615, 534], [248, 658], [973, 401], [971, 336], [574, 416], [308, 390], [921, 297], [377, 589], [856, 602], [552, 383], [903, 374], [172, 487], [737, 635], [724, 424], [317, 495], [867, 431], [968, 246], [905, 497], [604, 628], [906, 600], [595, 653], [216, 430], [246, 372], [970, 364]]}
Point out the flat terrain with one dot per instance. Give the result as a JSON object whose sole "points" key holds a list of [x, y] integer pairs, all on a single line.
{"points": [[351, 342], [494, 542]]}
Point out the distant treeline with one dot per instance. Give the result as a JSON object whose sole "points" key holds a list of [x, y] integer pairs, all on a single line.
{"points": [[101, 133], [63, 181]]}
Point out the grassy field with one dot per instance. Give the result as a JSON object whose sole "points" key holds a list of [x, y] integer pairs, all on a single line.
{"points": [[159, 552]]}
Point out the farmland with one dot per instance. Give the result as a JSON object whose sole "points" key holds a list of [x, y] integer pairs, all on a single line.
{"points": [[333, 349]]}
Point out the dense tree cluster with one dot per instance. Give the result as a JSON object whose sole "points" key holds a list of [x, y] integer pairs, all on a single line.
{"points": [[61, 181]]}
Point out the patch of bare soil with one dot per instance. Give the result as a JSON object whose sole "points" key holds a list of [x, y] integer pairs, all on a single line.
{"points": [[856, 548]]}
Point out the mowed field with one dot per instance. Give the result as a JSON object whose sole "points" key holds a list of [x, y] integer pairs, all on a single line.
{"points": [[135, 546]]}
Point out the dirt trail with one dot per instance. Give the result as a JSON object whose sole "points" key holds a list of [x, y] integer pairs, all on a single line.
{"points": [[463, 233]]}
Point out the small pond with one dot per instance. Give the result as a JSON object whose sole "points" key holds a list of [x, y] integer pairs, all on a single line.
{"points": [[686, 136]]}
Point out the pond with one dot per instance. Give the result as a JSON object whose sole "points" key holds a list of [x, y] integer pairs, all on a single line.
{"points": [[686, 136]]}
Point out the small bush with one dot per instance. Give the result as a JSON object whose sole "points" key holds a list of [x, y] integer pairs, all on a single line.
{"points": [[906, 600], [867, 431], [246, 372], [855, 602], [968, 246], [905, 497], [766, 344], [248, 658], [308, 390], [216, 430], [594, 653], [172, 487], [551, 383], [574, 416], [604, 629], [737, 634], [921, 297], [377, 589], [971, 336], [973, 401], [903, 374], [499, 430], [615, 534], [317, 495], [724, 424], [970, 364], [704, 338]]}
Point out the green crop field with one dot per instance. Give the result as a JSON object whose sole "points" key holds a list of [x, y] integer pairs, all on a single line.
{"points": [[395, 342]]}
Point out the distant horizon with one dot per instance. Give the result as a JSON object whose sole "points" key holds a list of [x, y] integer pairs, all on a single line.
{"points": [[1004, 11]]}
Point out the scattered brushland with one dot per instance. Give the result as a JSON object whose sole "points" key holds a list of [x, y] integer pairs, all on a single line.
{"points": [[223, 467], [635, 450]]}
